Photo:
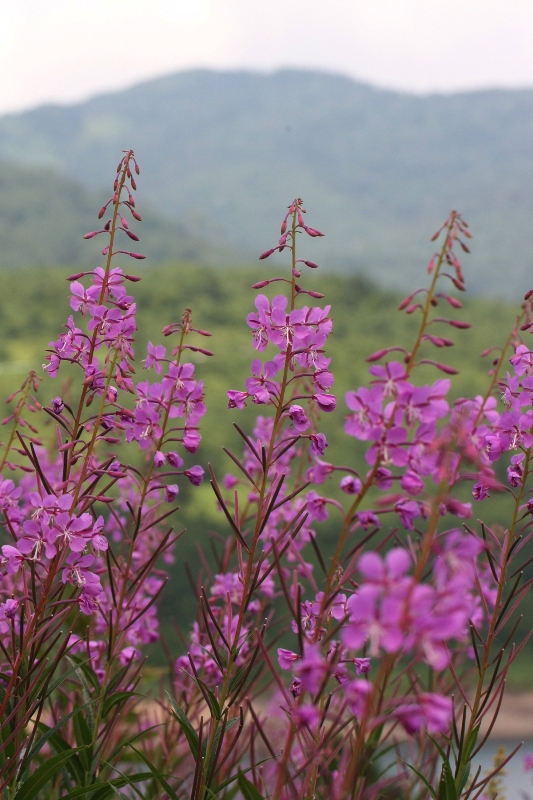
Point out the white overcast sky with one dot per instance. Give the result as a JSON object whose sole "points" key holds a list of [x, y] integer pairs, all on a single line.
{"points": [[68, 50]]}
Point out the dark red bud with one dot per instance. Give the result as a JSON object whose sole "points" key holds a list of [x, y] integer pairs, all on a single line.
{"points": [[75, 276], [100, 497], [135, 215], [137, 170], [451, 300], [102, 212], [266, 254], [202, 333], [458, 285], [377, 355], [311, 264], [133, 184], [134, 255], [133, 278], [412, 309], [296, 273], [91, 234], [459, 324], [528, 295], [283, 226], [317, 295], [463, 245], [312, 231], [447, 369], [301, 220], [405, 302], [260, 284], [434, 302], [132, 235]]}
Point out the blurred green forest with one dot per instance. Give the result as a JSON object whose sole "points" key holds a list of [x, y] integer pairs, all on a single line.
{"points": [[34, 305], [224, 152]]}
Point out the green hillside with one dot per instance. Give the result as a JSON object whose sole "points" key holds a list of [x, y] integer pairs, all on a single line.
{"points": [[379, 170], [43, 216], [34, 305]]}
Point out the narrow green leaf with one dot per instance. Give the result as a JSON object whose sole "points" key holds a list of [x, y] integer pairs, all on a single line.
{"points": [[447, 790], [33, 785], [63, 677], [59, 745], [188, 730], [84, 739], [248, 790], [104, 789], [155, 772], [118, 697], [51, 732], [470, 743], [430, 789], [88, 671]]}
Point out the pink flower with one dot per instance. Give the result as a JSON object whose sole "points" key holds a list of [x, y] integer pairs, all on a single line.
{"points": [[298, 418], [286, 658], [311, 668]]}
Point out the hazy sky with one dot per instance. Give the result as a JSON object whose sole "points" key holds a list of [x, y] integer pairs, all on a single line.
{"points": [[67, 50]]}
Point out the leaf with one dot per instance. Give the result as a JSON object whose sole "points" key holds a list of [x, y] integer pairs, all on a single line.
{"points": [[104, 789], [447, 790], [214, 705], [50, 732], [115, 680], [63, 677], [59, 745], [424, 781], [155, 772], [32, 786], [470, 744], [118, 697], [88, 671], [187, 728], [248, 790], [84, 739]]}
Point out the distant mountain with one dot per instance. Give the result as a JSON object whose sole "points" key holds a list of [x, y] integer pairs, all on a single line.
{"points": [[378, 170], [43, 216]]}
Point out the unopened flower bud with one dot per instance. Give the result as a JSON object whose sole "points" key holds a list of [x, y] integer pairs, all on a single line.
{"points": [[57, 405], [171, 492], [260, 284], [76, 276]]}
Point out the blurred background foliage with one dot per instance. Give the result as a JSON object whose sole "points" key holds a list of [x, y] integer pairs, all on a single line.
{"points": [[34, 306]]}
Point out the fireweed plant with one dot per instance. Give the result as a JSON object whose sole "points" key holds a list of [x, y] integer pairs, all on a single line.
{"points": [[397, 643]]}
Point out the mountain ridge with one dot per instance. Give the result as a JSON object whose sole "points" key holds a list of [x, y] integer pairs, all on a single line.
{"points": [[378, 169]]}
